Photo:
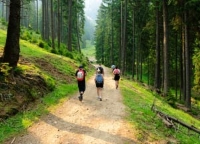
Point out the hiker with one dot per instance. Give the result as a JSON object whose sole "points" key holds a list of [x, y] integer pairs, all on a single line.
{"points": [[99, 81], [80, 75], [101, 69], [116, 73]]}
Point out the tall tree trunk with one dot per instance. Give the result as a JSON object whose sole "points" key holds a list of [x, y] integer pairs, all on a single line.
{"points": [[52, 25], [121, 41], [69, 39], [165, 45], [124, 39], [176, 64], [7, 9], [37, 16], [112, 41], [77, 33], [181, 66], [157, 74], [3, 9], [133, 49], [47, 20], [43, 18], [58, 7], [187, 62], [12, 49]]}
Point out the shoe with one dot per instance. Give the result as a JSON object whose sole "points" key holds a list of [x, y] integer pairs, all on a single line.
{"points": [[100, 99], [80, 98]]}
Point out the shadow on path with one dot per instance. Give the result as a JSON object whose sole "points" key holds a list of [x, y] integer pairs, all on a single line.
{"points": [[85, 130]]}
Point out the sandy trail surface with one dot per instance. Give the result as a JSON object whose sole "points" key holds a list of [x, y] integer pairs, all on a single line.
{"points": [[88, 122]]}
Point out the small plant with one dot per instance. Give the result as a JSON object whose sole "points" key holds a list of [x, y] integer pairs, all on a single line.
{"points": [[41, 44], [5, 69]]}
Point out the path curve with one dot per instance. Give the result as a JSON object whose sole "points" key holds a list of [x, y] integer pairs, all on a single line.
{"points": [[88, 122]]}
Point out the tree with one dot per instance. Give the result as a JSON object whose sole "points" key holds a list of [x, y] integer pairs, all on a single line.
{"points": [[52, 25], [69, 38], [12, 48], [165, 47]]}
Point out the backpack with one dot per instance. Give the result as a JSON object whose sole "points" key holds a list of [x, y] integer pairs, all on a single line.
{"points": [[99, 78], [116, 71], [80, 75]]}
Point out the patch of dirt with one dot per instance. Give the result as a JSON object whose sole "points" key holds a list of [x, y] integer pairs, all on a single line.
{"points": [[19, 91], [48, 67]]}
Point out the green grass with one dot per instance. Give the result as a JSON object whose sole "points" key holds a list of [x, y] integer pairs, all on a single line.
{"points": [[150, 127], [89, 51], [61, 89]]}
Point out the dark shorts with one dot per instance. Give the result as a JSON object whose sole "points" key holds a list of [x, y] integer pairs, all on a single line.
{"points": [[81, 86], [117, 77], [99, 85]]}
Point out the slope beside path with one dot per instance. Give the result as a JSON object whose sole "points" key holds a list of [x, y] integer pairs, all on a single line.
{"points": [[88, 122]]}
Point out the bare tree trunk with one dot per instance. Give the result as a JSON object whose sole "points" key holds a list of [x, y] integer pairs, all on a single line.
{"points": [[187, 62], [77, 32], [121, 41], [133, 49], [124, 38], [43, 18], [47, 20], [112, 43], [157, 74], [69, 41], [52, 25], [37, 16], [176, 65], [12, 49], [165, 44], [58, 7], [7, 9]]}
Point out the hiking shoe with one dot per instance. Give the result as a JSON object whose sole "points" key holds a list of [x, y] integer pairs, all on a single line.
{"points": [[80, 98], [100, 99]]}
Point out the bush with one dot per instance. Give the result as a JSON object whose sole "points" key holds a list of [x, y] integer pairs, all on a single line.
{"points": [[41, 44], [34, 40], [69, 54]]}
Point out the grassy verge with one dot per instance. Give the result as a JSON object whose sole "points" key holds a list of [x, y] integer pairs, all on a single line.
{"points": [[150, 127], [20, 122]]}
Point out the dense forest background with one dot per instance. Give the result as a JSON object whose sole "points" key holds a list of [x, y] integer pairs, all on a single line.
{"points": [[157, 42]]}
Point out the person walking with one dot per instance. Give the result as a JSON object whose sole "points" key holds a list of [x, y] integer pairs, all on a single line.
{"points": [[99, 81], [116, 73], [80, 75]]}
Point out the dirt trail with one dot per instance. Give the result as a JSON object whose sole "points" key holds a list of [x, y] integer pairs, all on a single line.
{"points": [[88, 122]]}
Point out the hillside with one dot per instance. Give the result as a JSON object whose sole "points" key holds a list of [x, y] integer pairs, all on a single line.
{"points": [[41, 80]]}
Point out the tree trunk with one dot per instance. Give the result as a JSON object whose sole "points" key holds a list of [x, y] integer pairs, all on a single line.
{"points": [[7, 9], [77, 33], [43, 18], [165, 45], [2, 9], [124, 38], [52, 25], [121, 41], [37, 16], [157, 74], [12, 49], [176, 65], [187, 62], [133, 50], [58, 7], [69, 39], [112, 43]]}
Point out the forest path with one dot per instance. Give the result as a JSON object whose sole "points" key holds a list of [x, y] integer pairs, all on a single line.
{"points": [[88, 122]]}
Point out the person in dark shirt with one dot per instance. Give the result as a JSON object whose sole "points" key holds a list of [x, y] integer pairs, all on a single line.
{"points": [[80, 75]]}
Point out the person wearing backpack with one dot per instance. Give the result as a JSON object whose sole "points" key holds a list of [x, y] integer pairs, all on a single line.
{"points": [[99, 80], [80, 76], [116, 73], [101, 69]]}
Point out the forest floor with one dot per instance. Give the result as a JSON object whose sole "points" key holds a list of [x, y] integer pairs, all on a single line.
{"points": [[88, 122]]}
